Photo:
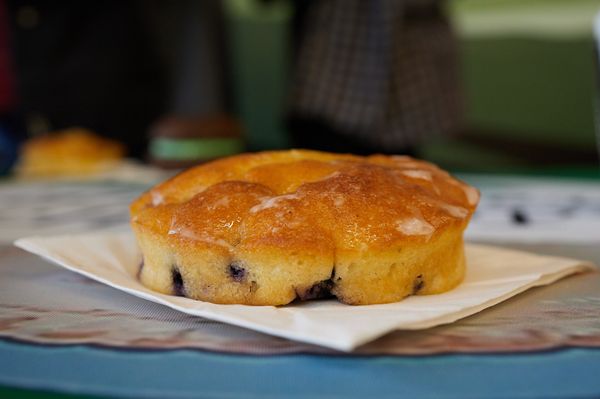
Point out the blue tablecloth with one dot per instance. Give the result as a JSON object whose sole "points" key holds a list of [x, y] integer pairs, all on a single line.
{"points": [[572, 373]]}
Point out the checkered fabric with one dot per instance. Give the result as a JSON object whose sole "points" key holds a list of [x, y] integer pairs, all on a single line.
{"points": [[383, 71]]}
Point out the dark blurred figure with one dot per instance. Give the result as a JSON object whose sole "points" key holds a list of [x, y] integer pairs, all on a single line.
{"points": [[373, 75], [84, 63], [9, 126]]}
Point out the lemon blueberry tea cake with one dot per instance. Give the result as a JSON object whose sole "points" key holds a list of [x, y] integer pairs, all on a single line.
{"points": [[267, 228]]}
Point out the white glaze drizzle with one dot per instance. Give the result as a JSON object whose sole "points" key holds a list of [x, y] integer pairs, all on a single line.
{"points": [[472, 194], [270, 202], [157, 197], [339, 200], [415, 227], [456, 211], [418, 174]]}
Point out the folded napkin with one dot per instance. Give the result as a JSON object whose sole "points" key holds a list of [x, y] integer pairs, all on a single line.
{"points": [[493, 275]]}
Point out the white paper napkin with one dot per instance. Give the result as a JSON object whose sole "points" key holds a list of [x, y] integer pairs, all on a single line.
{"points": [[493, 275]]}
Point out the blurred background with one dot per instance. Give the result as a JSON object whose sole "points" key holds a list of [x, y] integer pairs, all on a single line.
{"points": [[473, 85]]}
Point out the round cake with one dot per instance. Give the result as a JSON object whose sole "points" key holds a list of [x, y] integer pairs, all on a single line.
{"points": [[268, 228], [71, 152]]}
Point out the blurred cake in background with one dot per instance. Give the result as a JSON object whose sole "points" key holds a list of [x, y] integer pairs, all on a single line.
{"points": [[71, 152], [179, 142]]}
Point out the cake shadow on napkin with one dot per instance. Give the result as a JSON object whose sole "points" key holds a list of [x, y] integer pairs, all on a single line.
{"points": [[493, 275]]}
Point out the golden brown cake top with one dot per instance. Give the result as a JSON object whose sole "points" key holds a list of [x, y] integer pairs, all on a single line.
{"points": [[301, 199]]}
